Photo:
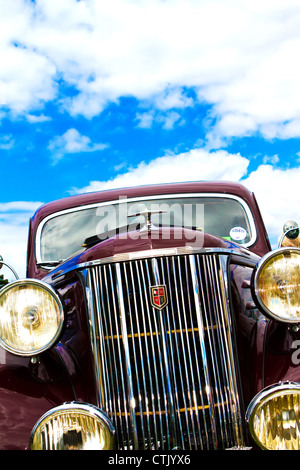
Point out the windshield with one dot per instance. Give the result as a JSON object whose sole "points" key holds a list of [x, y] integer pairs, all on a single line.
{"points": [[70, 232]]}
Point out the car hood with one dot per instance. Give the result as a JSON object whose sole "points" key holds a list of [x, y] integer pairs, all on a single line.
{"points": [[133, 243]]}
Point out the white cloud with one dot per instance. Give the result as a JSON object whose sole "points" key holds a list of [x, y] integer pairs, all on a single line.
{"points": [[239, 56], [173, 98], [273, 159], [170, 119], [18, 206], [72, 142], [277, 193], [145, 119], [166, 119], [27, 77], [276, 189], [34, 119], [197, 164], [6, 142], [14, 223]]}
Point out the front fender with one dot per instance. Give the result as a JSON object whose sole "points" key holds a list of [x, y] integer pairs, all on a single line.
{"points": [[27, 390]]}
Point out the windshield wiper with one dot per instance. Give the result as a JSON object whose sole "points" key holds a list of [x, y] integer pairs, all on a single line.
{"points": [[91, 241], [49, 263], [95, 239]]}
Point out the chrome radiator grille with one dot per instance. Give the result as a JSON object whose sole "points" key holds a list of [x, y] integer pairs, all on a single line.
{"points": [[166, 378]]}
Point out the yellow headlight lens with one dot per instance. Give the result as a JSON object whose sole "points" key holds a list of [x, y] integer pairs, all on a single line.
{"points": [[31, 317], [274, 417], [73, 426], [277, 284]]}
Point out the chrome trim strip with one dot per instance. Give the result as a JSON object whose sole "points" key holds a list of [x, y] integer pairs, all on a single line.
{"points": [[287, 386], [93, 330], [141, 199], [209, 310], [187, 362], [170, 311], [195, 376], [245, 255], [150, 404], [137, 348], [235, 410], [199, 313], [159, 360], [131, 404], [117, 352], [168, 387]]}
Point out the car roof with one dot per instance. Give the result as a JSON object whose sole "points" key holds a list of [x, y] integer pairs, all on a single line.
{"points": [[224, 187]]}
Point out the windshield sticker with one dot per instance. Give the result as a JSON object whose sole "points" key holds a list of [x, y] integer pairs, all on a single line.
{"points": [[238, 233]]}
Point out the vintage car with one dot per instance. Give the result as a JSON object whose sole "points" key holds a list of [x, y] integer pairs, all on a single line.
{"points": [[156, 318]]}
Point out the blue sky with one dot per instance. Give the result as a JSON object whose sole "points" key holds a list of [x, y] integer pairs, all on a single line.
{"points": [[98, 94]]}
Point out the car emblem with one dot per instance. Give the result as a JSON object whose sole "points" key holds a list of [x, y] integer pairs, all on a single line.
{"points": [[158, 297]]}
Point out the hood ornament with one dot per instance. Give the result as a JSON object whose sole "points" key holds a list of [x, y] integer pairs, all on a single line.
{"points": [[148, 225]]}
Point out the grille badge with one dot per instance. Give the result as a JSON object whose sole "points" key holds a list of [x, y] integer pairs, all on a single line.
{"points": [[158, 296]]}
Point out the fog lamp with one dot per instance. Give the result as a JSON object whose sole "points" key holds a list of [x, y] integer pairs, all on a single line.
{"points": [[31, 317], [273, 416], [277, 285], [73, 426]]}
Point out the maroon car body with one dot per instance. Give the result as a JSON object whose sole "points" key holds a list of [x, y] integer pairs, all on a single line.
{"points": [[69, 371]]}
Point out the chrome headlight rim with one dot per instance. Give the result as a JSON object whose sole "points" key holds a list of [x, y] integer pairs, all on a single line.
{"points": [[278, 389], [255, 279], [49, 289], [69, 407]]}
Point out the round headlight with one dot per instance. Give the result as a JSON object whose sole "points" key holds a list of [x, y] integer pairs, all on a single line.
{"points": [[73, 426], [31, 317], [273, 417], [277, 285]]}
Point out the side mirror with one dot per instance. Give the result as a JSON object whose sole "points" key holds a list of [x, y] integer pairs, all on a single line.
{"points": [[8, 266], [290, 230]]}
